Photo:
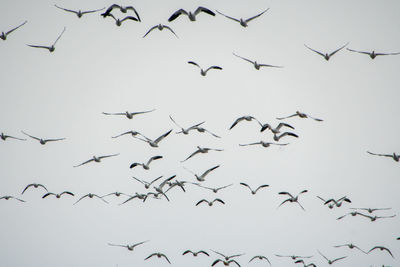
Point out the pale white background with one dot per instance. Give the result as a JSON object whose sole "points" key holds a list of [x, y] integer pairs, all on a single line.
{"points": [[99, 67]]}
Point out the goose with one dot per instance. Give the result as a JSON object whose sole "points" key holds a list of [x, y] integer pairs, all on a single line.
{"points": [[225, 262], [137, 195], [294, 257], [191, 15], [350, 246], [253, 192], [204, 72], [123, 9], [90, 195], [331, 206], [306, 265], [292, 198], [52, 47], [4, 137], [381, 249], [301, 115], [373, 54], [227, 257], [159, 255], [41, 140], [187, 130], [35, 186], [370, 210], [243, 118], [4, 35], [278, 137], [145, 166], [201, 150], [133, 133], [394, 156], [154, 143], [57, 195], [129, 247], [354, 213], [128, 114], [257, 65], [202, 130], [331, 261], [374, 218], [210, 203], [117, 194], [96, 159], [260, 257], [175, 183], [159, 188], [264, 144], [79, 13], [195, 254], [326, 55], [243, 22], [338, 203], [147, 184], [275, 130], [202, 177], [11, 197], [214, 189], [160, 27], [119, 21]]}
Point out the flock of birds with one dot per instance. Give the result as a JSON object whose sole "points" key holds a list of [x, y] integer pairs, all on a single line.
{"points": [[159, 188]]}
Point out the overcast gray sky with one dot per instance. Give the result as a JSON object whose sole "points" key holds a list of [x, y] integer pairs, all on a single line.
{"points": [[99, 67]]}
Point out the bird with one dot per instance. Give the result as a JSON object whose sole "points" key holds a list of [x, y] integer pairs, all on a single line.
{"points": [[292, 198], [35, 186], [354, 213], [370, 210], [58, 195], [4, 35], [243, 22], [278, 137], [201, 178], [331, 261], [257, 65], [159, 188], [243, 118], [195, 254], [294, 257], [226, 257], [394, 156], [133, 133], [187, 130], [264, 144], [4, 137], [137, 195], [301, 115], [338, 203], [306, 265], [253, 192], [119, 21], [214, 189], [117, 194], [275, 130], [191, 15], [160, 27], [327, 56], [128, 114], [11, 197], [147, 184], [41, 140], [159, 255], [225, 262], [202, 130], [154, 143], [129, 247], [201, 150], [145, 165], [381, 249], [350, 246], [96, 159], [331, 206], [123, 9], [373, 54], [79, 13], [374, 218], [52, 47], [210, 203], [260, 257], [202, 71]]}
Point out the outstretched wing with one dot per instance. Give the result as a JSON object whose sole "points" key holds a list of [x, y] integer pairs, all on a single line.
{"points": [[228, 16], [92, 11], [194, 63], [177, 14], [152, 28], [169, 28], [248, 60], [205, 10], [314, 50], [58, 38], [337, 50], [68, 10], [31, 136], [282, 118], [10, 31], [83, 163], [256, 16], [210, 170], [162, 137]]}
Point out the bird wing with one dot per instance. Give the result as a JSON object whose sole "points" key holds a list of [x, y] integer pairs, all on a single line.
{"points": [[337, 50], [316, 119], [300, 205], [215, 262], [169, 28], [68, 10], [209, 170], [151, 255], [193, 127], [323, 255], [92, 11], [256, 16], [244, 184], [384, 155], [129, 17], [194, 63], [118, 113], [228, 16], [284, 202], [272, 66], [203, 200], [47, 194], [29, 185], [153, 158], [10, 31], [252, 62], [221, 201], [256, 143], [52, 140], [177, 14], [236, 122], [162, 137], [315, 50], [286, 193], [137, 244], [67, 192], [261, 186], [282, 118], [107, 156], [174, 120], [339, 259], [213, 134], [281, 124], [39, 46], [107, 13], [204, 252], [58, 38], [205, 10], [187, 251], [128, 132], [234, 262], [152, 28], [31, 136], [81, 198], [213, 67], [362, 52], [222, 187], [162, 255], [191, 155], [134, 10], [83, 163]]}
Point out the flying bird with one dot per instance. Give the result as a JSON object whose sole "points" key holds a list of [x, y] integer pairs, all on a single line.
{"points": [[354, 213], [214, 189], [301, 115], [79, 13], [306, 265], [256, 65], [145, 166], [243, 118], [260, 257], [226, 257], [41, 140], [35, 186], [294, 257], [96, 159], [90, 195], [338, 202], [191, 15], [275, 130], [327, 56], [394, 156], [225, 262], [374, 218], [201, 178], [129, 247], [160, 27], [128, 114], [154, 143], [159, 188], [4, 35], [133, 133], [381, 249], [195, 254], [4, 137], [350, 246], [210, 203], [119, 21], [52, 47], [373, 54], [264, 144], [278, 137], [243, 22], [253, 192], [202, 130], [187, 130], [11, 197], [159, 255], [201, 150], [117, 194], [57, 195], [292, 198], [147, 184], [202, 71], [331, 261], [370, 210], [123, 9]]}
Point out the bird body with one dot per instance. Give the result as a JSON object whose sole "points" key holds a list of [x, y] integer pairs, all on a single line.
{"points": [[35, 186], [128, 114], [195, 254], [57, 195]]}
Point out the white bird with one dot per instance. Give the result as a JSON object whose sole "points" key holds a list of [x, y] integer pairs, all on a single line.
{"points": [[117, 194], [4, 137], [331, 261], [58, 195], [260, 257], [147, 184], [301, 115], [381, 249], [52, 47], [90, 195], [11, 197], [243, 118], [96, 159], [244, 22], [201, 150], [79, 13], [133, 133], [294, 257], [129, 247], [257, 65], [394, 156], [264, 144], [146, 165], [159, 255], [210, 203], [374, 218], [354, 213], [373, 54], [195, 254], [350, 246], [327, 56], [191, 15], [187, 130], [370, 210], [275, 130], [338, 202], [292, 198], [201, 178], [214, 189], [159, 188], [137, 195], [4, 35], [225, 262], [128, 114], [227, 257], [35, 186], [119, 21], [278, 137], [160, 27], [202, 130], [123, 9], [41, 140], [202, 71], [306, 265], [154, 143], [254, 191]]}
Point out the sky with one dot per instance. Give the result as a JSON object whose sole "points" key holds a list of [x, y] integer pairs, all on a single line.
{"points": [[99, 67]]}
